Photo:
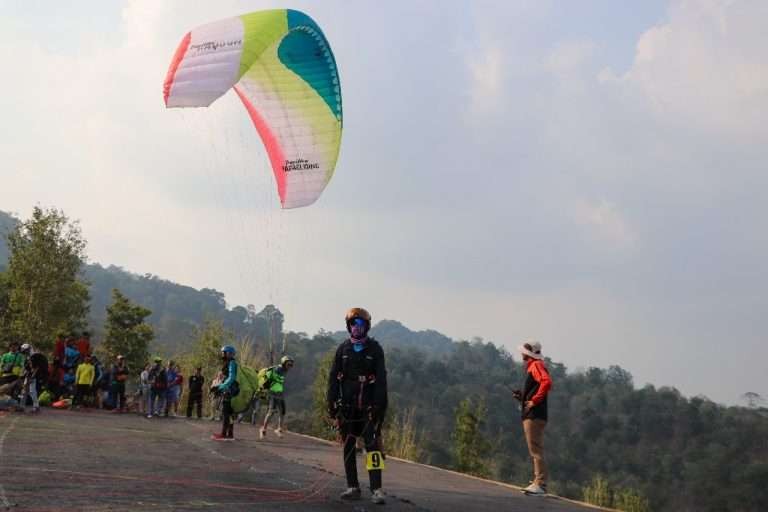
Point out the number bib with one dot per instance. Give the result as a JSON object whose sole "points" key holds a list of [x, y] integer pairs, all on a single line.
{"points": [[374, 460]]}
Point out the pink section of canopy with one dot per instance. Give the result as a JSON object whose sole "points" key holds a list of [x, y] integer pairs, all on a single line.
{"points": [[275, 152]]}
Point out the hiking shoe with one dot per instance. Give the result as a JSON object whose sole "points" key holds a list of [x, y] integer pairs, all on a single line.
{"points": [[262, 433], [378, 497], [352, 493], [535, 490], [279, 432], [219, 437]]}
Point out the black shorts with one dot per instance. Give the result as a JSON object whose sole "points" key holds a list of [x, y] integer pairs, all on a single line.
{"points": [[277, 403]]}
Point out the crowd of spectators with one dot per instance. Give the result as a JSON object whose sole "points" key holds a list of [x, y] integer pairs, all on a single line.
{"points": [[76, 378]]}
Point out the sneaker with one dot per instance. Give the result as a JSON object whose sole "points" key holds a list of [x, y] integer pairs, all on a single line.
{"points": [[219, 437], [279, 432], [262, 433], [535, 490], [149, 415], [378, 497], [352, 493]]}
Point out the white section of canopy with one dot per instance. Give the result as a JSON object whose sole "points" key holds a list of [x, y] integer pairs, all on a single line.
{"points": [[297, 141], [210, 66]]}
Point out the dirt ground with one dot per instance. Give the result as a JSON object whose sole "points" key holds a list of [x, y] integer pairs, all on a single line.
{"points": [[96, 461]]}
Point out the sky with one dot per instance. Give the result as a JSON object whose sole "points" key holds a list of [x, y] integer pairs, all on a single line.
{"points": [[589, 174]]}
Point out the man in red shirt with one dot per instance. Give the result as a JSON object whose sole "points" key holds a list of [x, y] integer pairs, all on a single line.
{"points": [[84, 344], [534, 412]]}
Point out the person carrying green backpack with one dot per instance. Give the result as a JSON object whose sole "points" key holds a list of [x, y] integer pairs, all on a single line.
{"points": [[274, 384]]}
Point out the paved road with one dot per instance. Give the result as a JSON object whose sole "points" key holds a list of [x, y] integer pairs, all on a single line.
{"points": [[94, 461]]}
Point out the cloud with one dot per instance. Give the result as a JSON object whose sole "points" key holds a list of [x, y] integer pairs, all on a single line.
{"points": [[705, 66], [487, 80], [604, 222]]}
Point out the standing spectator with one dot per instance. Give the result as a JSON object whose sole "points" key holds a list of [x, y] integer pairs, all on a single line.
{"points": [[71, 354], [98, 381], [12, 364], [69, 382], [35, 376], [105, 388], [176, 386], [195, 393], [119, 376], [56, 378], [143, 391], [158, 382], [59, 347], [83, 344], [534, 412], [84, 377], [215, 398], [170, 375]]}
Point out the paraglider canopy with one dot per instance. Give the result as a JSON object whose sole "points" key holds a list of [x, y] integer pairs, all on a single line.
{"points": [[282, 68]]}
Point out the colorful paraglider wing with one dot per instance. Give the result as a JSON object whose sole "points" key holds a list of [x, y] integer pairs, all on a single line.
{"points": [[282, 68]]}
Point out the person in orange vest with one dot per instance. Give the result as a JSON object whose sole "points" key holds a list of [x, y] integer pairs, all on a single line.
{"points": [[534, 412]]}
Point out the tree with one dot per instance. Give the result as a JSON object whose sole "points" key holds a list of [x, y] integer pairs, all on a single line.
{"points": [[46, 295], [319, 425], [126, 332], [5, 308], [754, 400], [209, 338], [470, 448]]}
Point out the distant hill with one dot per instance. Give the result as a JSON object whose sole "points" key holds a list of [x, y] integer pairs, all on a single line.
{"points": [[392, 333]]}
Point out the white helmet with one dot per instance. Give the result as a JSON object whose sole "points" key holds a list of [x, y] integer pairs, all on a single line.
{"points": [[26, 347]]}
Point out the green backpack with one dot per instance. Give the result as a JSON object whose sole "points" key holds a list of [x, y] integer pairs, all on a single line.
{"points": [[248, 380], [45, 398]]}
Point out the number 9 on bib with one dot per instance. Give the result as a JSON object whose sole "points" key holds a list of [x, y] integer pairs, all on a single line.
{"points": [[374, 460]]}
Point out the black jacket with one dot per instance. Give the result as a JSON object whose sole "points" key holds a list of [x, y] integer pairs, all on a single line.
{"points": [[358, 380], [196, 385]]}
